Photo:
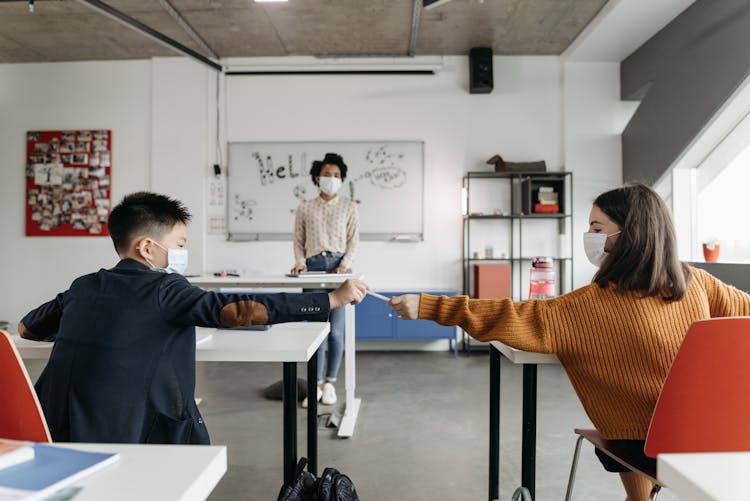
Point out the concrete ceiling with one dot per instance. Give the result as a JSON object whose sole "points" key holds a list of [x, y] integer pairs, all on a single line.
{"points": [[66, 30]]}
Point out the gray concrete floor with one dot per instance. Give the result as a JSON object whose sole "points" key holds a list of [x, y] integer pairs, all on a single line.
{"points": [[421, 432]]}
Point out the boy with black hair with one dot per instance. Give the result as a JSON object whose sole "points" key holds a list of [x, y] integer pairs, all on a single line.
{"points": [[122, 368]]}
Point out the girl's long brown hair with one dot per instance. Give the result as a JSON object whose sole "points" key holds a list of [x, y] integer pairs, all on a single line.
{"points": [[644, 257]]}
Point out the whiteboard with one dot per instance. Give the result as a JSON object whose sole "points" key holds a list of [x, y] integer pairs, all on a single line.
{"points": [[266, 182]]}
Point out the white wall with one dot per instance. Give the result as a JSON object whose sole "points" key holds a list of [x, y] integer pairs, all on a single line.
{"points": [[620, 27], [101, 95], [162, 116], [183, 118], [520, 119], [594, 117]]}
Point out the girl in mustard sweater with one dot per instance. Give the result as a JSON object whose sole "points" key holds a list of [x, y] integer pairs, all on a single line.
{"points": [[617, 337]]}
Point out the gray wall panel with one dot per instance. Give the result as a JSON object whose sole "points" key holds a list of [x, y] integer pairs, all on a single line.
{"points": [[683, 75], [734, 274]]}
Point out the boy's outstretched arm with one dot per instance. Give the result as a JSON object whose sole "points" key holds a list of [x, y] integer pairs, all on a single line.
{"points": [[182, 303]]}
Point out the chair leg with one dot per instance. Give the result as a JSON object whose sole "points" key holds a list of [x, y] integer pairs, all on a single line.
{"points": [[573, 468], [521, 494], [654, 492]]}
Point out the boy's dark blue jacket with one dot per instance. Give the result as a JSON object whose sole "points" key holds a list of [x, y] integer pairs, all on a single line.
{"points": [[122, 367]]}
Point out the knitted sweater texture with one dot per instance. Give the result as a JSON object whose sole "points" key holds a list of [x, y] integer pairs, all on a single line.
{"points": [[615, 347]]}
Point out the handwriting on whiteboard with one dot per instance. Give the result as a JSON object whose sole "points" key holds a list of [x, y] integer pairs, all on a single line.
{"points": [[242, 208], [383, 169]]}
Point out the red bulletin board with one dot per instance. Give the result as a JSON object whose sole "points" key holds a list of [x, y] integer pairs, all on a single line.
{"points": [[68, 182]]}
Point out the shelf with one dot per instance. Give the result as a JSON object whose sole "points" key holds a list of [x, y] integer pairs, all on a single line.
{"points": [[491, 259], [519, 216], [554, 258], [513, 259], [502, 175], [517, 193], [490, 216]]}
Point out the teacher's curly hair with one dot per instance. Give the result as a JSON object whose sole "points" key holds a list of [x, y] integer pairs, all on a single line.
{"points": [[330, 158]]}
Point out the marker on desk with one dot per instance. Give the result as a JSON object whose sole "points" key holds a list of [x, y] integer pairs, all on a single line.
{"points": [[224, 274], [379, 296]]}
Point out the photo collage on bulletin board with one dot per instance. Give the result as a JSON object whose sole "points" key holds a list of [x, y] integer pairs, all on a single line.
{"points": [[68, 182]]}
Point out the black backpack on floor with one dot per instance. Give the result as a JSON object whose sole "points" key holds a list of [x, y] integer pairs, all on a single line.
{"points": [[332, 485]]}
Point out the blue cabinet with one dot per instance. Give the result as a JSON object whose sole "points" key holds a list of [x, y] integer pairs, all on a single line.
{"points": [[375, 320]]}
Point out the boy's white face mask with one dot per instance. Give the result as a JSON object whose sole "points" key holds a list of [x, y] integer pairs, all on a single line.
{"points": [[329, 185], [593, 246], [177, 260]]}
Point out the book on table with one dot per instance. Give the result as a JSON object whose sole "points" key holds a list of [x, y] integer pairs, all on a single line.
{"points": [[13, 452], [52, 468]]}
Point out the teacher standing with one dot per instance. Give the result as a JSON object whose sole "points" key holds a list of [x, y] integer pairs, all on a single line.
{"points": [[326, 237]]}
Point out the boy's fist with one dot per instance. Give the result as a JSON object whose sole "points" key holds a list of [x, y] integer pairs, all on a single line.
{"points": [[350, 292]]}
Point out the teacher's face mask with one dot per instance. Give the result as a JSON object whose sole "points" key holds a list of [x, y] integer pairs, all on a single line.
{"points": [[593, 246], [329, 185]]}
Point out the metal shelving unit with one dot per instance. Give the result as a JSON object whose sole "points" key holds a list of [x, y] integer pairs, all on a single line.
{"points": [[521, 187]]}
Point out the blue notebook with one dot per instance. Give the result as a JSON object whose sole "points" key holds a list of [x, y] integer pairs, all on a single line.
{"points": [[51, 469]]}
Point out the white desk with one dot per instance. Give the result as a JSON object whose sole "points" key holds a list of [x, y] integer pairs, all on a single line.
{"points": [[153, 472], [524, 357], [287, 343], [327, 281], [529, 361], [705, 476]]}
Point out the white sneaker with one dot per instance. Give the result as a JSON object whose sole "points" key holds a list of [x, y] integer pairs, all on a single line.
{"points": [[329, 394], [320, 394]]}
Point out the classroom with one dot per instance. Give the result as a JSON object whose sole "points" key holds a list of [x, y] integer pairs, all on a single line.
{"points": [[471, 140]]}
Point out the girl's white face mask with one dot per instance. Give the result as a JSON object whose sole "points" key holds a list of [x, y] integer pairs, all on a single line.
{"points": [[593, 246], [329, 185]]}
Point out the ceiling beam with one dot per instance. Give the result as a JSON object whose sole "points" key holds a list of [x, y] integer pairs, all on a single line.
{"points": [[157, 36], [431, 4], [415, 17], [182, 22]]}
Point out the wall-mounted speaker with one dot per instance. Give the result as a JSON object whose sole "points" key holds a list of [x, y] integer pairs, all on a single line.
{"points": [[480, 70]]}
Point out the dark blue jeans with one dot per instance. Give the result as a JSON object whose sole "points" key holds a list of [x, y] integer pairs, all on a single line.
{"points": [[329, 261]]}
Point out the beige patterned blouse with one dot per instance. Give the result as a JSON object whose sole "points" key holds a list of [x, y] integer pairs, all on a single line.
{"points": [[331, 225]]}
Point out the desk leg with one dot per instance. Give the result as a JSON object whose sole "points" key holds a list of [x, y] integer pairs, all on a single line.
{"points": [[528, 447], [494, 491], [346, 427], [290, 420], [312, 414]]}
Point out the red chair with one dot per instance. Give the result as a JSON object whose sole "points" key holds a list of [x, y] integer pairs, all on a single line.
{"points": [[703, 406], [21, 417]]}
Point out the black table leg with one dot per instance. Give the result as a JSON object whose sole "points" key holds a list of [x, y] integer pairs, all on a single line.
{"points": [[494, 491], [312, 414], [528, 447], [290, 420]]}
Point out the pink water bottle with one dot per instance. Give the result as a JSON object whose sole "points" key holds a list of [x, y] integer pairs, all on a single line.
{"points": [[542, 279]]}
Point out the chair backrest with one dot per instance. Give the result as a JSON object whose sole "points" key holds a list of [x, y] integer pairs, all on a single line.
{"points": [[21, 416], [705, 403]]}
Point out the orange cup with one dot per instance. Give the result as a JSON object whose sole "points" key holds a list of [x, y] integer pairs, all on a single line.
{"points": [[711, 255]]}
